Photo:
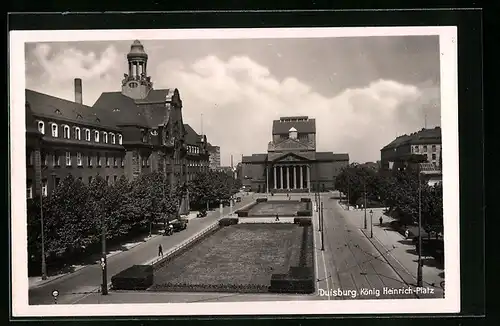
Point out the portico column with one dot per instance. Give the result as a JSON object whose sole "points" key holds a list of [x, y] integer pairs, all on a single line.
{"points": [[281, 176], [275, 180], [288, 177], [301, 176], [308, 178], [294, 177], [137, 69]]}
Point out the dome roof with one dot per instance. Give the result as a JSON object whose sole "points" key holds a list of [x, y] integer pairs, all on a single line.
{"points": [[137, 51]]}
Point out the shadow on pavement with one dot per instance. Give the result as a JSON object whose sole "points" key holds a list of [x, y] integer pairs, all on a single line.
{"points": [[427, 260], [406, 242]]}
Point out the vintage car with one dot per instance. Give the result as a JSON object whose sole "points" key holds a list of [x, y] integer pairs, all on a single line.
{"points": [[179, 224]]}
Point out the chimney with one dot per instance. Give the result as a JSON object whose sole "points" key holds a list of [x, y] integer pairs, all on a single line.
{"points": [[78, 91]]}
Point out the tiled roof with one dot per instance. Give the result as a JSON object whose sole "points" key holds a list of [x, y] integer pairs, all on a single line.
{"points": [[126, 110], [192, 136], [47, 106], [423, 136], [308, 126]]}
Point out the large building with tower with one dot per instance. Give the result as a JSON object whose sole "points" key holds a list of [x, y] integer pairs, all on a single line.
{"points": [[292, 162], [136, 130]]}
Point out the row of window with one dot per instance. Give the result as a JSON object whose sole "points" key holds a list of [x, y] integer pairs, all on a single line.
{"points": [[424, 148], [77, 133], [80, 159], [193, 149], [30, 190]]}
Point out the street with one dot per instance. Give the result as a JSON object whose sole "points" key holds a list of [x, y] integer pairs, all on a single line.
{"points": [[82, 283], [349, 261]]}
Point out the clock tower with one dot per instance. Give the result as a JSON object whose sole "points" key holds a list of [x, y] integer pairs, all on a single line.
{"points": [[137, 84]]}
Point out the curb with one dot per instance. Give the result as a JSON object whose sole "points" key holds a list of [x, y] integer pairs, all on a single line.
{"points": [[407, 278]]}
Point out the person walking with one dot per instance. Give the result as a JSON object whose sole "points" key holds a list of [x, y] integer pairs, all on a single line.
{"points": [[381, 220], [277, 217], [160, 250]]}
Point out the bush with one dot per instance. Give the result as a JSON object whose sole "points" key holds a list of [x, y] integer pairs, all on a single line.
{"points": [[261, 200], [242, 213], [302, 221], [305, 200], [226, 221], [137, 277], [286, 283], [304, 213]]}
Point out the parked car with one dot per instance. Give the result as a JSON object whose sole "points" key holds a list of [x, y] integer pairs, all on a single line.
{"points": [[432, 246], [179, 224], [238, 199], [202, 213]]}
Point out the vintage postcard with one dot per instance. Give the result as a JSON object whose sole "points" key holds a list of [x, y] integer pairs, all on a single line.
{"points": [[192, 172]]}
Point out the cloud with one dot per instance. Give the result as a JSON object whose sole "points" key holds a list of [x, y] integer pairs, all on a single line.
{"points": [[240, 98]]}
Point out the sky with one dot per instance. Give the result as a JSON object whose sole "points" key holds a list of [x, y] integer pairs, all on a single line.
{"points": [[362, 91]]}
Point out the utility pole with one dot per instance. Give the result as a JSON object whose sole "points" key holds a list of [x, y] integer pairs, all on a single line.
{"points": [[364, 191], [419, 268], [104, 285], [322, 227]]}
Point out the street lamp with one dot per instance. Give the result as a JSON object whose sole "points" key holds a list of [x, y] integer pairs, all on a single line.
{"points": [[371, 222], [419, 268], [322, 227], [104, 285], [364, 191]]}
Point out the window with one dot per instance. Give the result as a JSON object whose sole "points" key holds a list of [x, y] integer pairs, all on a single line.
{"points": [[41, 127], [68, 158], [433, 148], [96, 136], [115, 161], [89, 160], [79, 159], [87, 134], [29, 190], [105, 137], [43, 159], [44, 187], [108, 160], [123, 161], [66, 133], [98, 159], [55, 159], [147, 162], [107, 179], [112, 136], [29, 158], [433, 156], [78, 133], [143, 161], [115, 178], [119, 139], [425, 148], [53, 128], [416, 149]]}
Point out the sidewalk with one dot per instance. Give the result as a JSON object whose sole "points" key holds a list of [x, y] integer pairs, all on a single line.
{"points": [[397, 247]]}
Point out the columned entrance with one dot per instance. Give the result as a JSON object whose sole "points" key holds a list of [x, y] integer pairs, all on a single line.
{"points": [[290, 177]]}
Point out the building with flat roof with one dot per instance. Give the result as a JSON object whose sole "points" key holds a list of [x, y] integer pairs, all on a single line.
{"points": [[292, 162]]}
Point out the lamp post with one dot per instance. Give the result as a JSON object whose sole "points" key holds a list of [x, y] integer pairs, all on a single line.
{"points": [[44, 264], [104, 285], [371, 222], [322, 227], [419, 267], [364, 192]]}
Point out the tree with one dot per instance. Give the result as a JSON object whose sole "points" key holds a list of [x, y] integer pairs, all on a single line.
{"points": [[354, 179], [70, 218]]}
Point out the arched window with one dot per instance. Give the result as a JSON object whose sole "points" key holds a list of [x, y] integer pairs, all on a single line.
{"points": [[53, 128], [87, 134], [66, 132], [119, 139], [112, 136], [96, 136], [105, 137], [41, 127], [78, 133]]}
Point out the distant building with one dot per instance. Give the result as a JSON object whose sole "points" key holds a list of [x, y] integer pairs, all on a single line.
{"points": [[214, 159], [291, 162], [228, 170], [424, 144]]}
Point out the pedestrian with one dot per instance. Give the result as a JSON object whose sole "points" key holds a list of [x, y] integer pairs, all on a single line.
{"points": [[160, 250], [277, 217], [381, 220], [407, 233]]}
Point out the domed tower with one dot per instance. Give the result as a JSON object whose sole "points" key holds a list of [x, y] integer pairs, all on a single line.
{"points": [[137, 83]]}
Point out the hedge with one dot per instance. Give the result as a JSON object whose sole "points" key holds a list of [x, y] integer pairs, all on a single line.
{"points": [[302, 221], [226, 221], [193, 287], [304, 213], [136, 277], [305, 200], [286, 283], [242, 213]]}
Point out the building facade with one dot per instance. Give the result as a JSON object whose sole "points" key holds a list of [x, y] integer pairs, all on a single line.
{"points": [[425, 144], [134, 131], [214, 152], [292, 162]]}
